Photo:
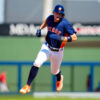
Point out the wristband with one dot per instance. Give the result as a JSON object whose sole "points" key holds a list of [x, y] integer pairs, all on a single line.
{"points": [[69, 39]]}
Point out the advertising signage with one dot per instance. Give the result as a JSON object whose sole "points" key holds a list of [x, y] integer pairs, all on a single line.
{"points": [[20, 29]]}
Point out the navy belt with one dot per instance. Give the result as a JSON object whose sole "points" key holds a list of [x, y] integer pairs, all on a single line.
{"points": [[51, 48]]}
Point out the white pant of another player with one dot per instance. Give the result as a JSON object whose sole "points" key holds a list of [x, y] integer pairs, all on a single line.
{"points": [[3, 87], [55, 58]]}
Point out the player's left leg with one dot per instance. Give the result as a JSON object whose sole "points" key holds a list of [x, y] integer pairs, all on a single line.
{"points": [[56, 60]]}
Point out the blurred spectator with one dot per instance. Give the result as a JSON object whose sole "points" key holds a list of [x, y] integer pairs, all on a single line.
{"points": [[98, 88], [88, 82], [3, 82]]}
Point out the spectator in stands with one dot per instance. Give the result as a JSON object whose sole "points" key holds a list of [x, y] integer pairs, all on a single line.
{"points": [[88, 82], [3, 82], [98, 88]]}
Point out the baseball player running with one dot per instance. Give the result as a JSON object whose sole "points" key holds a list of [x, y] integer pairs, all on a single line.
{"points": [[60, 31]]}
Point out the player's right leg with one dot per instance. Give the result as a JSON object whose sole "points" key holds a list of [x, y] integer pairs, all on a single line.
{"points": [[41, 58], [56, 60], [59, 83]]}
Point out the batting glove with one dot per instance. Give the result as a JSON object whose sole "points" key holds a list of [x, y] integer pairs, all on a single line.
{"points": [[38, 33]]}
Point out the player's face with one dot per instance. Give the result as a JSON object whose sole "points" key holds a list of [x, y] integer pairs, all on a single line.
{"points": [[57, 16]]}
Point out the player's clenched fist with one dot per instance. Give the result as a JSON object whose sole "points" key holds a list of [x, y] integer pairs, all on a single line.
{"points": [[38, 33]]}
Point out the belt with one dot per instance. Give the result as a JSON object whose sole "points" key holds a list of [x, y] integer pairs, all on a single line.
{"points": [[51, 48]]}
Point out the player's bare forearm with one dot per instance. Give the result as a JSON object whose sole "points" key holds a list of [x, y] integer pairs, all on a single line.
{"points": [[74, 38], [43, 25]]}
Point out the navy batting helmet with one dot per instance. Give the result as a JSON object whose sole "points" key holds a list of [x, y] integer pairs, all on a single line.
{"points": [[59, 9]]}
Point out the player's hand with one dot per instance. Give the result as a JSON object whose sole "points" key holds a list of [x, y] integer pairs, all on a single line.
{"points": [[64, 39], [38, 33]]}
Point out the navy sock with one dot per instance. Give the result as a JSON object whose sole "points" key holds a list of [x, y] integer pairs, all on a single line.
{"points": [[32, 74], [58, 76]]}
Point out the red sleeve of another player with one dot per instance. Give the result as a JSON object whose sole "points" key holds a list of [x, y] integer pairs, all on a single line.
{"points": [[3, 77]]}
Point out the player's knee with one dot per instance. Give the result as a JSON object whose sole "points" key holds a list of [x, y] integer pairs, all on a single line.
{"points": [[37, 64], [54, 72]]}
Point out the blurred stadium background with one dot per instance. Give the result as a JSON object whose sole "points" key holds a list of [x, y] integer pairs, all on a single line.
{"points": [[19, 20]]}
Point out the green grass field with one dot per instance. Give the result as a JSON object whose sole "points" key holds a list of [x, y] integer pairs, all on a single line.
{"points": [[33, 98]]}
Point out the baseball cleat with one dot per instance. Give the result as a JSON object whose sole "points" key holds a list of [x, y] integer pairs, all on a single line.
{"points": [[25, 89], [59, 84]]}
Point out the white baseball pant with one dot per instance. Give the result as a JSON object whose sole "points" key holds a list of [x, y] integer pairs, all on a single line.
{"points": [[3, 87], [55, 58]]}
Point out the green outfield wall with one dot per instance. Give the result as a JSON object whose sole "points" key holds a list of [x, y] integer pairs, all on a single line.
{"points": [[26, 49]]}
